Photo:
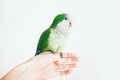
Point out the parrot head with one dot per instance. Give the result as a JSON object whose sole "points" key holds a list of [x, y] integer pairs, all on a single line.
{"points": [[62, 19]]}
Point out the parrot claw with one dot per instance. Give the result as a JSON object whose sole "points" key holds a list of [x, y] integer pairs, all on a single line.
{"points": [[61, 55]]}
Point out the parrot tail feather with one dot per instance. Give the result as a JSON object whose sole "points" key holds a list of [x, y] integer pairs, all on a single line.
{"points": [[38, 51]]}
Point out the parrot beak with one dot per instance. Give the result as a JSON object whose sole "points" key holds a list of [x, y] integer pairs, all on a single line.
{"points": [[70, 23]]}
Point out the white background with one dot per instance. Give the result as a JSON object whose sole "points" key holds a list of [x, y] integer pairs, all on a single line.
{"points": [[95, 36]]}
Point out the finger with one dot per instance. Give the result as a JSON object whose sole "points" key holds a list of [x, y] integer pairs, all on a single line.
{"points": [[64, 64], [75, 59], [72, 66], [67, 72], [58, 73], [66, 67], [65, 55], [69, 66], [70, 60], [63, 73]]}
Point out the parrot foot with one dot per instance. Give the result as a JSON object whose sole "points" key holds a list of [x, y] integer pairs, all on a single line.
{"points": [[51, 51]]}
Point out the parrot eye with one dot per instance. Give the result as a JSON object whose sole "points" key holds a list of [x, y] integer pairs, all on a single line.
{"points": [[66, 18]]}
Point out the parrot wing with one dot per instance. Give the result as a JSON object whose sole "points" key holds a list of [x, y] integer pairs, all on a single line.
{"points": [[43, 41]]}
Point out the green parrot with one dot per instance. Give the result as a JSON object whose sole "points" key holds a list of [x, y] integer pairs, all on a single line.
{"points": [[54, 38]]}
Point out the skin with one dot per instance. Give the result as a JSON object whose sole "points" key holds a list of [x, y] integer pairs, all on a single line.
{"points": [[41, 68]]}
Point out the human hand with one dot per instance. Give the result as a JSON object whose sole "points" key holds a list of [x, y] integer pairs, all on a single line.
{"points": [[43, 66]]}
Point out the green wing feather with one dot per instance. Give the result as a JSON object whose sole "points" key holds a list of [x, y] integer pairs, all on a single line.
{"points": [[43, 42]]}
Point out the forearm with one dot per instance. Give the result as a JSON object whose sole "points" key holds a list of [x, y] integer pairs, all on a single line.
{"points": [[22, 72]]}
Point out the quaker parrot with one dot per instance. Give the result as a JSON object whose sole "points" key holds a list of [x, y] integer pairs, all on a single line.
{"points": [[54, 38]]}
